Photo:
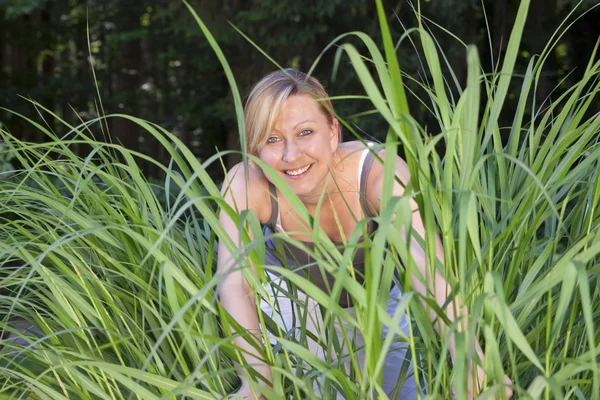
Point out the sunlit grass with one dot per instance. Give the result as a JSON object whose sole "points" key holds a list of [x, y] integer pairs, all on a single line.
{"points": [[108, 292]]}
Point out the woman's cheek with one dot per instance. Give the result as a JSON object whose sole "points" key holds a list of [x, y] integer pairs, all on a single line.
{"points": [[269, 157]]}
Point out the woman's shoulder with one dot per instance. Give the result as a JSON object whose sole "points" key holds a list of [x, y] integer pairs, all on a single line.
{"points": [[353, 149], [355, 145], [245, 187], [350, 153]]}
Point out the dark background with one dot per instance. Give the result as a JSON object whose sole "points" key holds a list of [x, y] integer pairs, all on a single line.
{"points": [[152, 61]]}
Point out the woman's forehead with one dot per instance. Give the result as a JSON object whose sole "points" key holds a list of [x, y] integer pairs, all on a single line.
{"points": [[300, 108]]}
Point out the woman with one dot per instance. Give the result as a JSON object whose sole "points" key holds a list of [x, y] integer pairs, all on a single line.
{"points": [[299, 138]]}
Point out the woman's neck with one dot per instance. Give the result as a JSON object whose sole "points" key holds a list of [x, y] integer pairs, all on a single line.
{"points": [[330, 193], [329, 189]]}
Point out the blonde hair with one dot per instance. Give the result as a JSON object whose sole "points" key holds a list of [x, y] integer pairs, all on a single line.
{"points": [[268, 95]]}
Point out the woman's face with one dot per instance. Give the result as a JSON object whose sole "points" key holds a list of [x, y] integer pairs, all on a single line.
{"points": [[301, 146]]}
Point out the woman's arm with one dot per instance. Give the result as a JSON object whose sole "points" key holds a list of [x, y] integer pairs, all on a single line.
{"points": [[435, 285], [235, 294]]}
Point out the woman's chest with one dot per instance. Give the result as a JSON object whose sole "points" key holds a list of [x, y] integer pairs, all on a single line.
{"points": [[336, 216]]}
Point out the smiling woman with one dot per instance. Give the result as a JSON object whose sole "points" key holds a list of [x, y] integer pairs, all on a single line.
{"points": [[292, 130], [301, 146]]}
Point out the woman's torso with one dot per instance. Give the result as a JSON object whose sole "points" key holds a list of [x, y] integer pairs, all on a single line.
{"points": [[338, 217]]}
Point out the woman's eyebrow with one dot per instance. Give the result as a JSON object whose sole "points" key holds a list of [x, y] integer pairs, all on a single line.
{"points": [[295, 126], [303, 122]]}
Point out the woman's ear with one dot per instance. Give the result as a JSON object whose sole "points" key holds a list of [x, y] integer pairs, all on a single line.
{"points": [[335, 135]]}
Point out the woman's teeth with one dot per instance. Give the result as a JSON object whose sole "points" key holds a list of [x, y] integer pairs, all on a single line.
{"points": [[298, 171]]}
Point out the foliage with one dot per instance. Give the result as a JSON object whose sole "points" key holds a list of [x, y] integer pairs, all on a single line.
{"points": [[6, 168], [119, 290], [97, 278], [16, 8]]}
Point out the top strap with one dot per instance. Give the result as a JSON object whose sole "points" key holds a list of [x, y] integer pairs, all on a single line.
{"points": [[272, 223], [362, 190]]}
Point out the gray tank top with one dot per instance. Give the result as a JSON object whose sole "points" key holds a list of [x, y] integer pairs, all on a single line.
{"points": [[298, 257]]}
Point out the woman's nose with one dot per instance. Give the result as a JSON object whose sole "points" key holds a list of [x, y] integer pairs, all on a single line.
{"points": [[291, 152]]}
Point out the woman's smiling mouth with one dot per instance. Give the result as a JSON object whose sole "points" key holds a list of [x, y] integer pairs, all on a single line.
{"points": [[298, 172]]}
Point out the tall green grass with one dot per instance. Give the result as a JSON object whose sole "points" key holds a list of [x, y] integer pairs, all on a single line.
{"points": [[106, 292]]}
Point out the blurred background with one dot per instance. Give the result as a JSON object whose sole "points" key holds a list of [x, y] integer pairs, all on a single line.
{"points": [[152, 61]]}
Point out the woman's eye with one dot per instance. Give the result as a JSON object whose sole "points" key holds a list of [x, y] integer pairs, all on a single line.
{"points": [[305, 132], [272, 139]]}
